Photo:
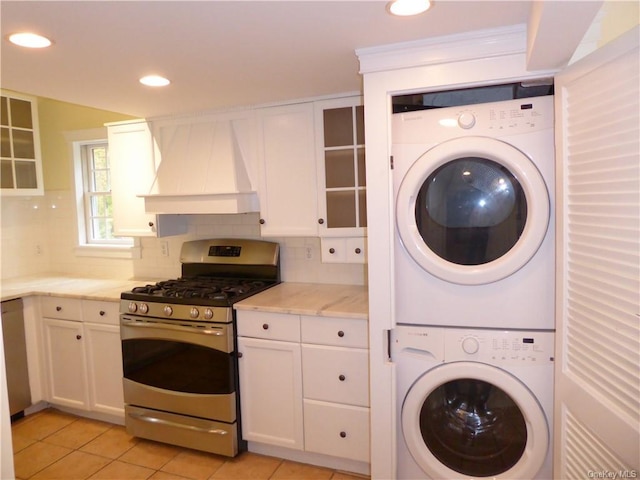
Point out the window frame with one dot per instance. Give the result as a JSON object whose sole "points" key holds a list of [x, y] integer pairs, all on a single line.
{"points": [[130, 247]]}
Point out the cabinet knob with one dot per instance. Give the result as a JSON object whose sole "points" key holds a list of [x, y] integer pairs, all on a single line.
{"points": [[332, 251], [343, 434], [265, 326], [262, 221], [102, 313], [358, 251], [340, 333], [342, 378], [239, 354], [321, 221], [58, 308], [78, 337], [151, 224]]}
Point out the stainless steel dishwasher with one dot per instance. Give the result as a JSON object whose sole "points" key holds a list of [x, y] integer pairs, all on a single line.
{"points": [[15, 356]]}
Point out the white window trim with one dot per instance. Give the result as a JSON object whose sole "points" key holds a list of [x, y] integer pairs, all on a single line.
{"points": [[75, 140]]}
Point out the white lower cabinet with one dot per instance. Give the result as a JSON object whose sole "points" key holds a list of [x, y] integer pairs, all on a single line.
{"points": [[82, 354], [66, 371], [271, 392], [336, 430], [304, 384]]}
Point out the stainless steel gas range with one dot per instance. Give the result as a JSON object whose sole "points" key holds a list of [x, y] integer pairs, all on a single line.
{"points": [[179, 345]]}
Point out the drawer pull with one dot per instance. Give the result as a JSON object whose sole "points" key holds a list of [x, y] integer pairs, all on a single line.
{"points": [[340, 333], [342, 378], [78, 337], [343, 434], [358, 251], [58, 308], [265, 326], [332, 251], [102, 313]]}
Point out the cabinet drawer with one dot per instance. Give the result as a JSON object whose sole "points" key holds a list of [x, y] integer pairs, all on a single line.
{"points": [[96, 311], [271, 326], [60, 307], [336, 430], [342, 332], [335, 374]]}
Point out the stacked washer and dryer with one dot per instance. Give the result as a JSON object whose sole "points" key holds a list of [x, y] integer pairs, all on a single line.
{"points": [[474, 290]]}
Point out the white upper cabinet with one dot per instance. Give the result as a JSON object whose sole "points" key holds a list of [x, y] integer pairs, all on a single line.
{"points": [[288, 198], [133, 169], [340, 155], [21, 161]]}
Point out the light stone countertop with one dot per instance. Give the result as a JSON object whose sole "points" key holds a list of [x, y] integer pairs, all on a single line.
{"points": [[68, 286], [328, 300]]}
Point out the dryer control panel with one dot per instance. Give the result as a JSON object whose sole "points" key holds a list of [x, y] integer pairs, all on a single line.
{"points": [[499, 347]]}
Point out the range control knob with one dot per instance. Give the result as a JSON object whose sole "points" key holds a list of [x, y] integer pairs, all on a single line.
{"points": [[466, 120], [208, 314], [168, 311], [470, 345], [143, 308], [133, 308], [193, 313]]}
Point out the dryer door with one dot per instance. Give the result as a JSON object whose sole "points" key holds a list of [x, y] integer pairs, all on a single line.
{"points": [[472, 420], [472, 210]]}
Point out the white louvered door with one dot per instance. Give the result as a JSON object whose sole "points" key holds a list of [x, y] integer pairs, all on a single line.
{"points": [[597, 407]]}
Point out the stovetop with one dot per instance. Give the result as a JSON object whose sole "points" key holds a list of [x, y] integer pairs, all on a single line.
{"points": [[200, 290]]}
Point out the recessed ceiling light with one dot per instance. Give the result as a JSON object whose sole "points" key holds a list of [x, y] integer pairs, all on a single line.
{"points": [[154, 81], [29, 40], [404, 8]]}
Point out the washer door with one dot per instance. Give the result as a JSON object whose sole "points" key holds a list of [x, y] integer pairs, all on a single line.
{"points": [[471, 420], [472, 210]]}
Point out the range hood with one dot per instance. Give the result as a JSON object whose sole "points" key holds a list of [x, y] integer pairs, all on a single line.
{"points": [[204, 168]]}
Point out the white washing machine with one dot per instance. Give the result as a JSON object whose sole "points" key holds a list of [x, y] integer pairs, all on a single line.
{"points": [[473, 403], [474, 207]]}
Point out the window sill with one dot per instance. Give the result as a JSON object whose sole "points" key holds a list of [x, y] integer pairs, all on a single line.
{"points": [[108, 251]]}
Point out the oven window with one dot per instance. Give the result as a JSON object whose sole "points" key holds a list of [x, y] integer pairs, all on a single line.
{"points": [[178, 366], [471, 211], [473, 427]]}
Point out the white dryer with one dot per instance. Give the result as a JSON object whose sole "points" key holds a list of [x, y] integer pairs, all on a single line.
{"points": [[473, 403], [474, 213]]}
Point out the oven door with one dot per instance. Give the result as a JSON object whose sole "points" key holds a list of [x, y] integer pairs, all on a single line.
{"points": [[181, 367]]}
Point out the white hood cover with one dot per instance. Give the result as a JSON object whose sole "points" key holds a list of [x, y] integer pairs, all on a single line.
{"points": [[203, 168]]}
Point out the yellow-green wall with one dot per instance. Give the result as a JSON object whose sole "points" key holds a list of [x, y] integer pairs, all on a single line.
{"points": [[619, 17], [56, 118]]}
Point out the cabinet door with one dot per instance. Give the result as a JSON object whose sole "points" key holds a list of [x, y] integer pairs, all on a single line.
{"points": [[104, 366], [132, 171], [21, 163], [65, 363], [340, 157], [288, 198], [271, 392]]}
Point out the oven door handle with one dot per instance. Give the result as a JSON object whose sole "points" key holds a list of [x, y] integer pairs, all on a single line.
{"points": [[169, 423], [165, 326]]}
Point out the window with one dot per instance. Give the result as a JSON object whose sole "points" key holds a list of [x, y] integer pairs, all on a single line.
{"points": [[97, 203]]}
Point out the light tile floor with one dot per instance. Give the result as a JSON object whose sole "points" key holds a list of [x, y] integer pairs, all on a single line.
{"points": [[54, 445]]}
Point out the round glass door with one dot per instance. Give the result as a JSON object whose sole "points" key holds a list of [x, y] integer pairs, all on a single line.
{"points": [[471, 420], [473, 427], [472, 210]]}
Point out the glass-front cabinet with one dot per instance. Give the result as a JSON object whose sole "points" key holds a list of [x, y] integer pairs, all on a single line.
{"points": [[342, 205], [20, 158]]}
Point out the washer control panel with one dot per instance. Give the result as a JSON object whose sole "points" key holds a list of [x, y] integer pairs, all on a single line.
{"points": [[499, 347]]}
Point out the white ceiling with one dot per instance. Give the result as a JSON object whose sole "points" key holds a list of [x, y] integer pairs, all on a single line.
{"points": [[217, 53]]}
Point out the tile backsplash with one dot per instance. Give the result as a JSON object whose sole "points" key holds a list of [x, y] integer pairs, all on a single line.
{"points": [[39, 235]]}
